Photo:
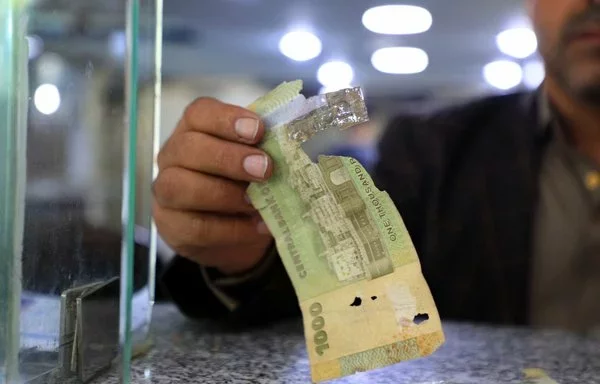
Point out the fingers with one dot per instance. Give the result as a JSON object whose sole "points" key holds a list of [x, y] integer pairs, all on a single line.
{"points": [[204, 153], [226, 121], [183, 189], [199, 203], [184, 229]]}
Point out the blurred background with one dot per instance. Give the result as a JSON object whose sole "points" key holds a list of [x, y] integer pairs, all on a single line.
{"points": [[407, 56]]}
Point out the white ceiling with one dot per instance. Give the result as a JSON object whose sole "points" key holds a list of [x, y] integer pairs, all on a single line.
{"points": [[240, 37]]}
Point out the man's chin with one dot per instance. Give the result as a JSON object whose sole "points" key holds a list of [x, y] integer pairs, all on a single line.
{"points": [[590, 95], [586, 86]]}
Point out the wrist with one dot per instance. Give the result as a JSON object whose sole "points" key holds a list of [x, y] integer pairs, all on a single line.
{"points": [[246, 260], [234, 275]]}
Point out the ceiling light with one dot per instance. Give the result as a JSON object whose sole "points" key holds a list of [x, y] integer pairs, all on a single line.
{"points": [[397, 19], [400, 60], [533, 74], [47, 99], [503, 74], [517, 42], [300, 45], [335, 74]]}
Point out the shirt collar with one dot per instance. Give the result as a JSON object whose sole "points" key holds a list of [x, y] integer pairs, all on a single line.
{"points": [[549, 121], [550, 126]]}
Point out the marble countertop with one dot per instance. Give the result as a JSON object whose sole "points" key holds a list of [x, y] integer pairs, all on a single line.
{"points": [[201, 352]]}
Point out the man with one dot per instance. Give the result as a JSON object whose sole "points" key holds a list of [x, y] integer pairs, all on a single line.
{"points": [[500, 197]]}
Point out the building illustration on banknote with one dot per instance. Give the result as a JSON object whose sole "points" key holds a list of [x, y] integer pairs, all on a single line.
{"points": [[354, 249]]}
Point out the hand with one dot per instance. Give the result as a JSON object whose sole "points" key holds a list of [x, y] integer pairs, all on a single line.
{"points": [[200, 204]]}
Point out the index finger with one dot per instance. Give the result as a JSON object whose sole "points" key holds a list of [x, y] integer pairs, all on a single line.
{"points": [[226, 121]]}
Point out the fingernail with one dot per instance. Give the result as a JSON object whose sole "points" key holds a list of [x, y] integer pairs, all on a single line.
{"points": [[247, 199], [256, 165], [247, 128], [262, 228]]}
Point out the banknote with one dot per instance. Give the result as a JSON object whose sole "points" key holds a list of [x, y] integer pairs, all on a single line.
{"points": [[365, 303], [537, 376]]}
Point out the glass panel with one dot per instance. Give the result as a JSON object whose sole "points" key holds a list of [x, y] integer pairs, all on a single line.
{"points": [[13, 98], [76, 245], [143, 66]]}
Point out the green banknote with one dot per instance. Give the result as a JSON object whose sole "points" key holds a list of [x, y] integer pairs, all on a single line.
{"points": [[537, 376], [364, 301]]}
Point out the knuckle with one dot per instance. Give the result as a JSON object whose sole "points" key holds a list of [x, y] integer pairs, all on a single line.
{"points": [[177, 143], [191, 144], [201, 230], [171, 150], [224, 158], [165, 187], [218, 194], [164, 227], [161, 157], [238, 230], [183, 148], [198, 106], [157, 216]]}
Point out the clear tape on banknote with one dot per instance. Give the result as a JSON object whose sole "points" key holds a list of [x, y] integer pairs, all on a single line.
{"points": [[364, 301], [306, 117]]}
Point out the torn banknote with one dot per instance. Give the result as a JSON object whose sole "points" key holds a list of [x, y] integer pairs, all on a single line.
{"points": [[364, 301], [537, 376]]}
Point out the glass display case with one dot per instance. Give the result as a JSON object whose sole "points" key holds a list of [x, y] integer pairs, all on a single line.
{"points": [[79, 110]]}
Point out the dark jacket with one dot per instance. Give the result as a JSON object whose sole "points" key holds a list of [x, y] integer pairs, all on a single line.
{"points": [[465, 182]]}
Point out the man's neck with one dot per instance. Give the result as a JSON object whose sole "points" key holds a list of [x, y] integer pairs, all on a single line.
{"points": [[581, 120]]}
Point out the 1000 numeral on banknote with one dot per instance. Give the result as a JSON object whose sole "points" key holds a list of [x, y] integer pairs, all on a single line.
{"points": [[364, 301]]}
